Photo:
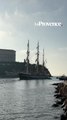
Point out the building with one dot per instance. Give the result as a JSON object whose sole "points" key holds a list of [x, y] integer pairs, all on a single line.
{"points": [[7, 55]]}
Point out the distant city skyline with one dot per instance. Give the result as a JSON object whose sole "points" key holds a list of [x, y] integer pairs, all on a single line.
{"points": [[17, 26]]}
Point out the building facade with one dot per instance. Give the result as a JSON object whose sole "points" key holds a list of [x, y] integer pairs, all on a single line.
{"points": [[7, 55]]}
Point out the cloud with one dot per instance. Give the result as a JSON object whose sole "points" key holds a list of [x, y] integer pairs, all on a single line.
{"points": [[4, 34], [30, 6], [63, 49]]}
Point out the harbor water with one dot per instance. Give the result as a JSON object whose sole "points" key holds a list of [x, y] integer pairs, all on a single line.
{"points": [[28, 100]]}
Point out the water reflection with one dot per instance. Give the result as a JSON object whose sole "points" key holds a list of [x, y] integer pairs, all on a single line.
{"points": [[26, 100]]}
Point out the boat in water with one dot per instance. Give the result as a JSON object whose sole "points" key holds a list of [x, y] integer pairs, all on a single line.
{"points": [[34, 71], [63, 77]]}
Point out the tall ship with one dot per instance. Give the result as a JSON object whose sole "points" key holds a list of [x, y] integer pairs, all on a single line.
{"points": [[35, 71]]}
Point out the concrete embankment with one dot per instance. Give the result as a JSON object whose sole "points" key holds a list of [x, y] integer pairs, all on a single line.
{"points": [[61, 98]]}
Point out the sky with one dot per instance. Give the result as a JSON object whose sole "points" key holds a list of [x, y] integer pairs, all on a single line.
{"points": [[17, 26]]}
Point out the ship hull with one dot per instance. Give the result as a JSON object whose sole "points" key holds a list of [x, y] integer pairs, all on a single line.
{"points": [[24, 76], [63, 78]]}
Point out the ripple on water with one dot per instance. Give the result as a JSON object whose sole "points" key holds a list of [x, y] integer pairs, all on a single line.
{"points": [[27, 100]]}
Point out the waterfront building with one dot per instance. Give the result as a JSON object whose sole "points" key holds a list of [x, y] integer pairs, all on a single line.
{"points": [[7, 55]]}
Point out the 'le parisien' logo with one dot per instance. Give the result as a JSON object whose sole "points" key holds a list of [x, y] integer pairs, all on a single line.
{"points": [[48, 24]]}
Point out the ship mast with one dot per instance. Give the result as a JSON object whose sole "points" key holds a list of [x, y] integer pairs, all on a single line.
{"points": [[27, 59], [43, 62], [43, 58], [37, 60]]}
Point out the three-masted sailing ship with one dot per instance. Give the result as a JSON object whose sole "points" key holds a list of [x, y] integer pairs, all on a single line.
{"points": [[39, 71]]}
